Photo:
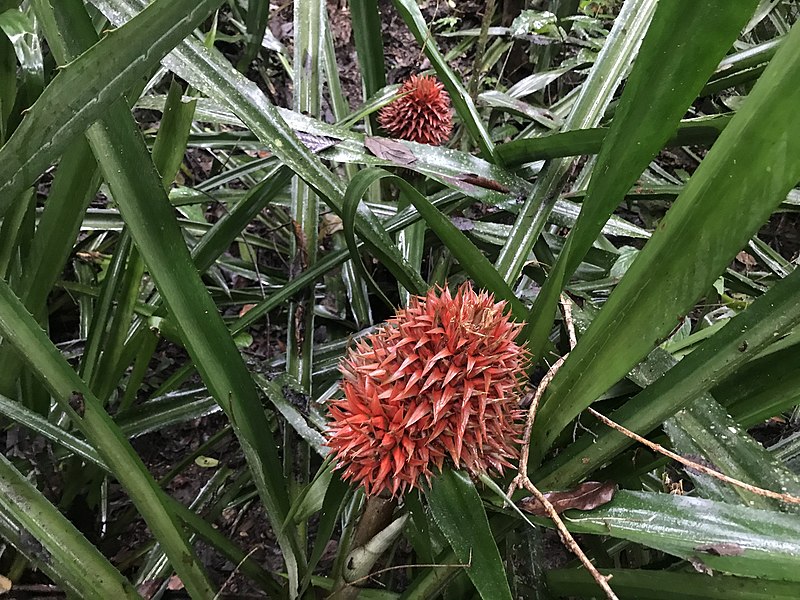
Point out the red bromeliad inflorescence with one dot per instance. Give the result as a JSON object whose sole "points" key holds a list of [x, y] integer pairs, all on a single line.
{"points": [[421, 113], [439, 381]]}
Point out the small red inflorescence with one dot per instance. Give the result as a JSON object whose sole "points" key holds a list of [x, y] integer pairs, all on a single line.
{"points": [[421, 113], [439, 381]]}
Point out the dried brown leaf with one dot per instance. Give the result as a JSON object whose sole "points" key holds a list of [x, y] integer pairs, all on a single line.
{"points": [[147, 589], [174, 583], [747, 260], [721, 549], [316, 143], [489, 184], [700, 566], [391, 150], [462, 223], [586, 496]]}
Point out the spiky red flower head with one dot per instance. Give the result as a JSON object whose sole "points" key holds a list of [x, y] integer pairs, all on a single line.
{"points": [[421, 114], [440, 380]]}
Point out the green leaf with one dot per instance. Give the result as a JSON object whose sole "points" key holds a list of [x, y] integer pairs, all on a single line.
{"points": [[336, 495], [706, 430], [256, 21], [21, 32], [406, 275], [458, 510], [208, 71], [744, 177], [641, 584], [37, 528], [757, 543], [276, 390], [36, 423], [173, 133], [472, 260], [670, 385], [85, 411], [87, 86], [449, 167], [657, 93], [763, 388], [137, 189], [700, 131], [368, 40], [594, 97]]}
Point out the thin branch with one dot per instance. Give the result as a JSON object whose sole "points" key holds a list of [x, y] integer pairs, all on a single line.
{"points": [[416, 566], [788, 498], [569, 541], [236, 570], [522, 475], [523, 481], [566, 309]]}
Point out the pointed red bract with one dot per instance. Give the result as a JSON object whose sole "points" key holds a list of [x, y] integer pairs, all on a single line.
{"points": [[439, 381], [421, 114]]}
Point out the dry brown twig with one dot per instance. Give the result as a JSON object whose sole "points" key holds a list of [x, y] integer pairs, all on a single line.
{"points": [[236, 570], [788, 498], [566, 310], [377, 572], [523, 481]]}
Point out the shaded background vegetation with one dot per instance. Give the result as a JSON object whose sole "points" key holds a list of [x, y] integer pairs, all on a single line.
{"points": [[185, 199]]}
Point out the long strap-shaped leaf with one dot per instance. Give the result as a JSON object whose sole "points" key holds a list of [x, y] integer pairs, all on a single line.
{"points": [[744, 177], [67, 557], [458, 510], [369, 47], [127, 167], [671, 385], [595, 95], [82, 91], [699, 131], [660, 87], [21, 415], [210, 72], [85, 410], [759, 543], [650, 584], [705, 429], [469, 256]]}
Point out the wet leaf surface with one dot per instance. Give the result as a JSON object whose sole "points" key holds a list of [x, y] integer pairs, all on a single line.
{"points": [[462, 223], [489, 184], [721, 549], [391, 150], [586, 496]]}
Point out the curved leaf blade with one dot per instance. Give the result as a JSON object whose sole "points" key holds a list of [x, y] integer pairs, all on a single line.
{"points": [[660, 88], [468, 255], [759, 543], [678, 383], [65, 554], [664, 585], [596, 93], [20, 330], [744, 177], [88, 85], [458, 511]]}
